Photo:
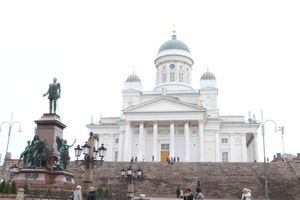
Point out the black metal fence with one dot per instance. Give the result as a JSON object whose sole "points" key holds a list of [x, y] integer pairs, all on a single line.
{"points": [[53, 195], [57, 195]]}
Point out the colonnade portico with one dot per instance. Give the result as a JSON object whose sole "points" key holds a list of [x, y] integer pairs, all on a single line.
{"points": [[125, 139]]}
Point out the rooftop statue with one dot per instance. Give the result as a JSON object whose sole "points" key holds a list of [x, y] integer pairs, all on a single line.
{"points": [[53, 94]]}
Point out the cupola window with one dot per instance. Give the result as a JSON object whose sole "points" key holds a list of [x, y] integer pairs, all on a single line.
{"points": [[180, 77], [172, 76], [164, 77]]}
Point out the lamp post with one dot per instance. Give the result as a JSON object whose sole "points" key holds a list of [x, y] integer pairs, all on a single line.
{"points": [[130, 175], [92, 156], [281, 129], [263, 123], [10, 125]]}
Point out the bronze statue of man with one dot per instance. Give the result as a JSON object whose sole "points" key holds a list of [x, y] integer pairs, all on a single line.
{"points": [[53, 94]]}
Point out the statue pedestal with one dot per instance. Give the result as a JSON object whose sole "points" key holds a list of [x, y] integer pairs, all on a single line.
{"points": [[44, 179], [48, 128]]}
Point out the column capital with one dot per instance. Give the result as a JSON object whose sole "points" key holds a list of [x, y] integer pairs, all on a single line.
{"points": [[141, 123], [244, 133], [200, 122], [186, 123]]}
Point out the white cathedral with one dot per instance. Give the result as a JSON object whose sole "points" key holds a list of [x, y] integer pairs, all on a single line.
{"points": [[175, 120]]}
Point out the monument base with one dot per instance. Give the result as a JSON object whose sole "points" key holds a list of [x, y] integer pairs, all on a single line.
{"points": [[44, 179]]}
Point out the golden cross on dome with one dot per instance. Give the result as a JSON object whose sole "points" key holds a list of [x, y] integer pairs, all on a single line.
{"points": [[174, 30]]}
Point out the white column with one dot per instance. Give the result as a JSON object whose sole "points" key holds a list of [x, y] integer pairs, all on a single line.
{"points": [[172, 139], [255, 147], [244, 147], [154, 147], [126, 156], [130, 140], [120, 147], [141, 142], [186, 142], [201, 141], [217, 146], [232, 149]]}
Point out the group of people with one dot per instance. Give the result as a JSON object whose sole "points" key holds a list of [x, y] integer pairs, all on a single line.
{"points": [[189, 195], [172, 160], [78, 196]]}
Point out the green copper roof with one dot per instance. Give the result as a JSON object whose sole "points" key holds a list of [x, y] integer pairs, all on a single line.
{"points": [[133, 78], [208, 76], [174, 44]]}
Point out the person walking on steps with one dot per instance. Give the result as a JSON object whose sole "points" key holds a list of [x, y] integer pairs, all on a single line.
{"points": [[178, 192], [246, 194]]}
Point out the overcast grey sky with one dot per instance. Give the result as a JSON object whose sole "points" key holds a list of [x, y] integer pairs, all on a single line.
{"points": [[252, 47]]}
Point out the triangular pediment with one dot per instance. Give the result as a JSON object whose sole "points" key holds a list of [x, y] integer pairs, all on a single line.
{"points": [[164, 104]]}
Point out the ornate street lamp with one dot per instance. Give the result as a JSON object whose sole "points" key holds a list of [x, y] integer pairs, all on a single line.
{"points": [[123, 173], [10, 124], [139, 173], [91, 156], [131, 175], [78, 151], [86, 148], [102, 151], [129, 172], [281, 129], [262, 123]]}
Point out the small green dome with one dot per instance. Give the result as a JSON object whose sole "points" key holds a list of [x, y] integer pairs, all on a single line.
{"points": [[208, 76], [133, 78], [174, 44]]}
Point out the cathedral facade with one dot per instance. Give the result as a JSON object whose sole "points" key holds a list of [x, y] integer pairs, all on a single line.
{"points": [[174, 120]]}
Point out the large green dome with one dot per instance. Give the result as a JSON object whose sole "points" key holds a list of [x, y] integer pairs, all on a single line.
{"points": [[174, 44]]}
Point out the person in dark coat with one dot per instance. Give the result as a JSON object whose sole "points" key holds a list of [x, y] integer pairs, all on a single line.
{"points": [[177, 192], [92, 194]]}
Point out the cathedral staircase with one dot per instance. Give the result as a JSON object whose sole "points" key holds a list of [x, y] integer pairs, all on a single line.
{"points": [[218, 180]]}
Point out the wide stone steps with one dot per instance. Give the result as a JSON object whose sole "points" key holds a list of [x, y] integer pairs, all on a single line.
{"points": [[218, 180]]}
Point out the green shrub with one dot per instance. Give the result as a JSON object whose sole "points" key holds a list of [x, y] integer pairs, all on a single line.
{"points": [[36, 192], [13, 188], [49, 192], [2, 186], [7, 189], [100, 192], [106, 193], [25, 187]]}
